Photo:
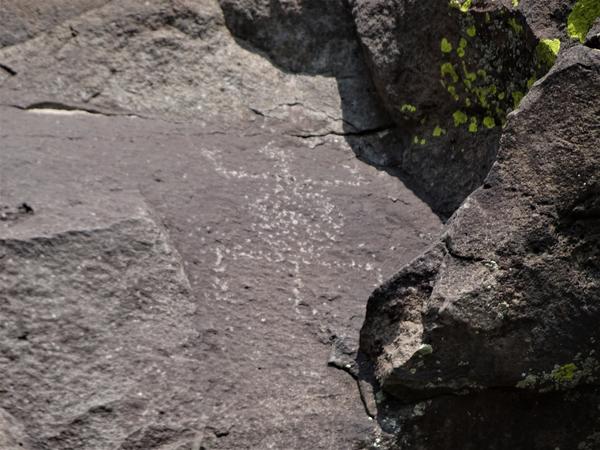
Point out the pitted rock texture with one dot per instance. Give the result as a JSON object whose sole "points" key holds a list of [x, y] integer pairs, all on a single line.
{"points": [[509, 300]]}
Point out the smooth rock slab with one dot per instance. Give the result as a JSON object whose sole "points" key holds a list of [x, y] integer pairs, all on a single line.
{"points": [[281, 239]]}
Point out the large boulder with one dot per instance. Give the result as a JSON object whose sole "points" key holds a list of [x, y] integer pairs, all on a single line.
{"points": [[509, 301], [448, 72]]}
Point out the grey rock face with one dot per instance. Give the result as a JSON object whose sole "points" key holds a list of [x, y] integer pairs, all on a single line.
{"points": [[178, 59], [280, 240], [25, 19], [509, 300], [12, 435], [95, 305]]}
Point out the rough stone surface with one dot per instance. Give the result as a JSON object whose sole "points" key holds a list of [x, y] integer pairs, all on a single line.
{"points": [[593, 37], [187, 239], [178, 59], [505, 309], [25, 19], [103, 343], [448, 76], [12, 434]]}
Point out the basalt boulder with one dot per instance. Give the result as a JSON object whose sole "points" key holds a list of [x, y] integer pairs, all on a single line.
{"points": [[448, 73], [504, 311]]}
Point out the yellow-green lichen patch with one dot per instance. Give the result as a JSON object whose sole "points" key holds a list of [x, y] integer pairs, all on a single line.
{"points": [[473, 125], [460, 118], [546, 51], [515, 3], [462, 46], [445, 46], [531, 81], [564, 373], [419, 141], [438, 131], [408, 108], [582, 17], [471, 31], [447, 69], [452, 91], [489, 122], [517, 97], [516, 26], [462, 5]]}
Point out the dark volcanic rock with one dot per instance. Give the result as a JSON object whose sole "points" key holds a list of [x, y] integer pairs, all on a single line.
{"points": [[448, 74], [504, 311]]}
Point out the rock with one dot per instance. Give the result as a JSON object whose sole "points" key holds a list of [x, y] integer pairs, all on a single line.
{"points": [[306, 36], [94, 306], [12, 435], [508, 302], [264, 225], [178, 60], [448, 74], [25, 19], [593, 37]]}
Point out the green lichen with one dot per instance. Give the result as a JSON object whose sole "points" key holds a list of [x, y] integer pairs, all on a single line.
{"points": [[408, 108], [419, 141], [582, 17], [489, 122], [546, 51], [471, 31], [582, 370], [438, 131], [424, 350], [460, 118], [517, 97], [462, 46], [445, 46], [516, 26], [515, 3], [452, 91], [447, 69], [462, 5], [564, 373], [473, 125]]}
